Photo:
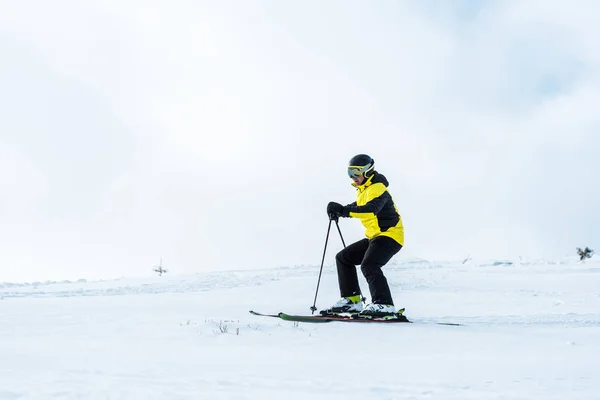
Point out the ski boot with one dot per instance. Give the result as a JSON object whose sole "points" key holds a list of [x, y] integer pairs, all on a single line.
{"points": [[380, 311], [345, 305]]}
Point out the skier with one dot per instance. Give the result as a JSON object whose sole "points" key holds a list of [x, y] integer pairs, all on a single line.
{"points": [[384, 233]]}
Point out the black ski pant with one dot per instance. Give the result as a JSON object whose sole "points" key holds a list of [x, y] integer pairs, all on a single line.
{"points": [[371, 255]]}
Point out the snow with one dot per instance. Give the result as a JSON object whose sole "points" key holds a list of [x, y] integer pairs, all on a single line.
{"points": [[531, 330]]}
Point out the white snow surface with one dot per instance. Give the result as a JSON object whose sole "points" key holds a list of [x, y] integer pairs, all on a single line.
{"points": [[530, 330]]}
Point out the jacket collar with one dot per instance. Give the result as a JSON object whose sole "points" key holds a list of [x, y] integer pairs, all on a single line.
{"points": [[365, 184]]}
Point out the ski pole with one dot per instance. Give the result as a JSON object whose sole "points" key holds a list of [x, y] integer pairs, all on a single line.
{"points": [[344, 243], [314, 308], [340, 231]]}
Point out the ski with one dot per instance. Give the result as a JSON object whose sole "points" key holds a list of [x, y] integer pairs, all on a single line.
{"points": [[331, 318], [343, 318], [340, 318], [264, 315]]}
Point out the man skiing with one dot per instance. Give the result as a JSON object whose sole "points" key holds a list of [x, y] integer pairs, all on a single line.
{"points": [[384, 233]]}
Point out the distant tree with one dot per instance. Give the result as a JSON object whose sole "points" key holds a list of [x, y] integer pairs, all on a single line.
{"points": [[159, 269], [585, 253]]}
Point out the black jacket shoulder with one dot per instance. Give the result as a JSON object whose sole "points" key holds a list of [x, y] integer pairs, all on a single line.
{"points": [[379, 178]]}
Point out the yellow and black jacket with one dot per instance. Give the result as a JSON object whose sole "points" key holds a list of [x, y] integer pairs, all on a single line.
{"points": [[376, 210]]}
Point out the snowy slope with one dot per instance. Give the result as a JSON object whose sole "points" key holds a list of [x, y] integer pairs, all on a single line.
{"points": [[531, 331]]}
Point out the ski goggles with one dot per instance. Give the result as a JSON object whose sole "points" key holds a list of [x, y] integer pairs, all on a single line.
{"points": [[356, 172]]}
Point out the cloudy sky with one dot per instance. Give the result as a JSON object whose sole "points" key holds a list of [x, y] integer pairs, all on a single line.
{"points": [[213, 133]]}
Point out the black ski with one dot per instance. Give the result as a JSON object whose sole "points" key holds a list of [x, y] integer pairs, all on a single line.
{"points": [[330, 318]]}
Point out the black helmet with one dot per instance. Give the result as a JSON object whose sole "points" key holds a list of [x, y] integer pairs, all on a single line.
{"points": [[361, 164]]}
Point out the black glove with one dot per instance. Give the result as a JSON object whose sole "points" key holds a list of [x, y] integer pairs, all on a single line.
{"points": [[336, 210]]}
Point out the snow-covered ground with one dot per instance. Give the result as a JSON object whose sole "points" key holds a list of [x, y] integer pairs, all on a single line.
{"points": [[531, 331]]}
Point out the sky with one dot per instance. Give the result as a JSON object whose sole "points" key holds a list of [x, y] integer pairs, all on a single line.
{"points": [[213, 134]]}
